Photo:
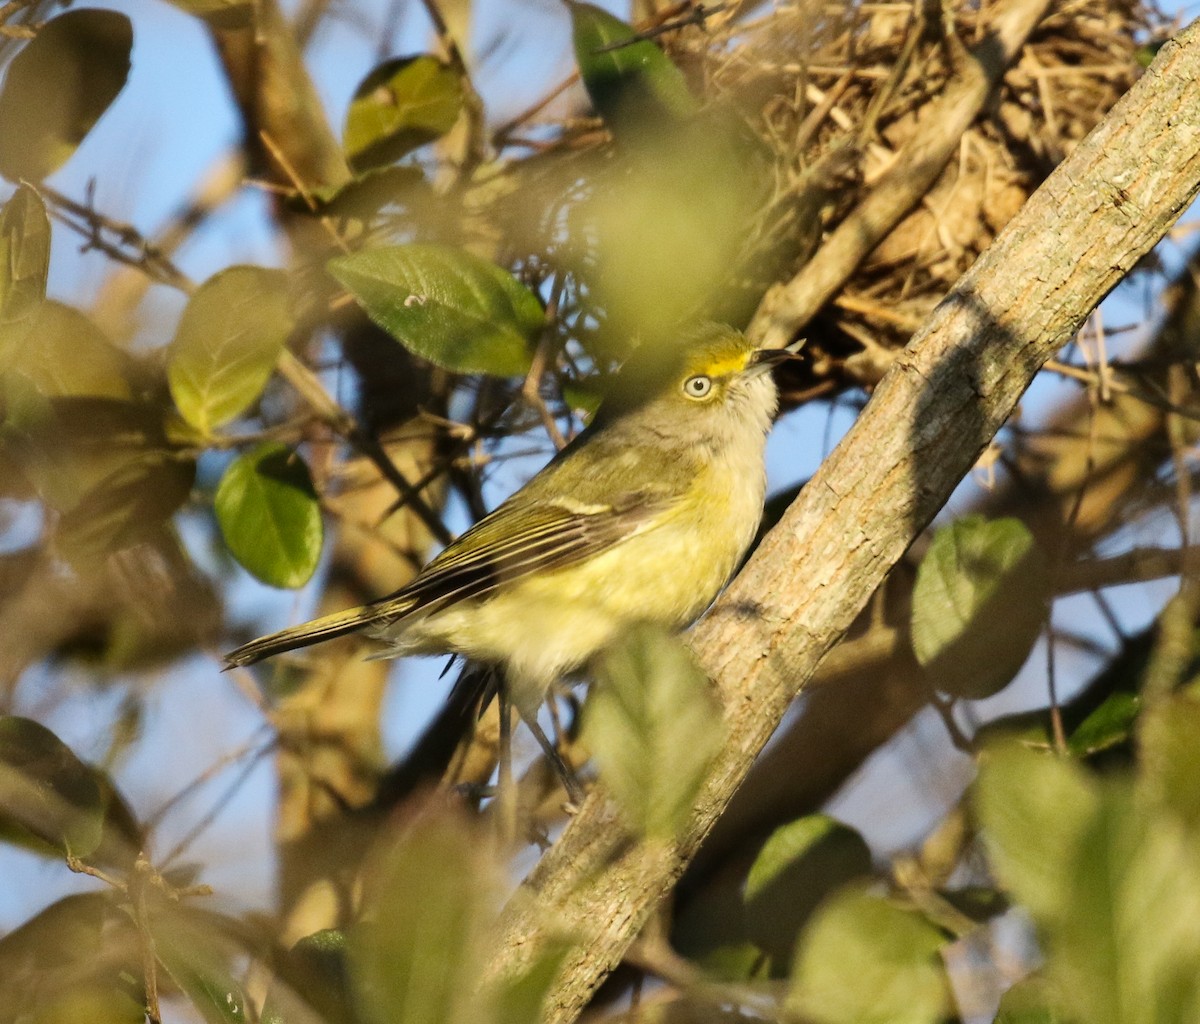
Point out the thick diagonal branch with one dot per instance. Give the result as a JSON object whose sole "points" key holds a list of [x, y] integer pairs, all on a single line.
{"points": [[932, 415]]}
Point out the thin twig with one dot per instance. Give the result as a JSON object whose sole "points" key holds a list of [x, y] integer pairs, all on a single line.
{"points": [[309, 387]]}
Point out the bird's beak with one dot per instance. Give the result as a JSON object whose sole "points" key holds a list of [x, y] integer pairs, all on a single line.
{"points": [[766, 359]]}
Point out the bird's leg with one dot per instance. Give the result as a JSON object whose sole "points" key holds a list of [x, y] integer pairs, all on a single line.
{"points": [[565, 773], [506, 795]]}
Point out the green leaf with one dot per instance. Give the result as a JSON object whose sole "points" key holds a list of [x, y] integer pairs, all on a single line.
{"points": [[864, 960], [979, 604], [269, 516], [196, 952], [58, 87], [47, 790], [521, 997], [446, 305], [127, 507], [418, 953], [653, 725], [1107, 726], [312, 981], [632, 86], [228, 341], [799, 865], [1110, 875], [66, 355], [1170, 740], [402, 104], [1028, 1002], [24, 266]]}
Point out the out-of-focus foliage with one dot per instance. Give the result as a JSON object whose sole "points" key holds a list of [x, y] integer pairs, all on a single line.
{"points": [[58, 87], [653, 727], [446, 305], [401, 105], [280, 421]]}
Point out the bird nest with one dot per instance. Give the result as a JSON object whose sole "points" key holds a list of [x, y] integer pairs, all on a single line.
{"points": [[816, 79]]}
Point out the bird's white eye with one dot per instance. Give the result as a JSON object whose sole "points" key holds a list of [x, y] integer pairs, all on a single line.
{"points": [[698, 386]]}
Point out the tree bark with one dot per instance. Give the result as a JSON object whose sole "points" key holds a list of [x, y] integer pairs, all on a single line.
{"points": [[932, 415]]}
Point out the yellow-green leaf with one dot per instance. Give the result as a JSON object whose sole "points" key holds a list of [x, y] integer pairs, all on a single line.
{"points": [[402, 104], [58, 87], [653, 725], [446, 305], [979, 603], [24, 266], [227, 344], [269, 516], [46, 789]]}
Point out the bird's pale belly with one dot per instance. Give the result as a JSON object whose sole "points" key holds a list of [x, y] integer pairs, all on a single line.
{"points": [[550, 625]]}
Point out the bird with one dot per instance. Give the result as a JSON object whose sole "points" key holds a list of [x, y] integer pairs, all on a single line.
{"points": [[642, 518]]}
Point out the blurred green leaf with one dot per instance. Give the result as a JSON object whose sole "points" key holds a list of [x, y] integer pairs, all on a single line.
{"points": [[1107, 726], [979, 603], [228, 341], [196, 952], [446, 305], [66, 354], [799, 865], [653, 725], [58, 87], [402, 104], [24, 266], [312, 983], [269, 516], [365, 195], [1027, 1002], [632, 86], [864, 960], [125, 508], [1170, 745], [74, 961], [520, 998], [428, 904], [1111, 878], [47, 790]]}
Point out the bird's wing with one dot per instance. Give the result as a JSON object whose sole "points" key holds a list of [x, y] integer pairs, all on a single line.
{"points": [[522, 538]]}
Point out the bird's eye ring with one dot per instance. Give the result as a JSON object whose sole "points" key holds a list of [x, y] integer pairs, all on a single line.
{"points": [[698, 386]]}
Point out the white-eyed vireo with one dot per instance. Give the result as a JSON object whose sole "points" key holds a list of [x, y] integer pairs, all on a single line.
{"points": [[642, 518]]}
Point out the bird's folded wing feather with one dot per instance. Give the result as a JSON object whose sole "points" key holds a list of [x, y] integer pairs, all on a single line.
{"points": [[520, 538]]}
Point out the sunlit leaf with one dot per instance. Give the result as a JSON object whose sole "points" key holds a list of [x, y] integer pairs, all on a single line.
{"points": [[979, 603], [24, 265], [631, 85], [428, 905], [126, 507], [799, 865], [228, 341], [1027, 1002], [864, 960], [46, 789], [653, 725], [269, 516], [1170, 742], [403, 103], [446, 305], [58, 87], [66, 354]]}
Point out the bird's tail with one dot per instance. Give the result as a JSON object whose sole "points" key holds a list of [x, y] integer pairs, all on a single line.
{"points": [[328, 627]]}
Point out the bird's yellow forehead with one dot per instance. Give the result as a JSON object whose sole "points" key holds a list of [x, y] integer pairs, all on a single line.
{"points": [[719, 361]]}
